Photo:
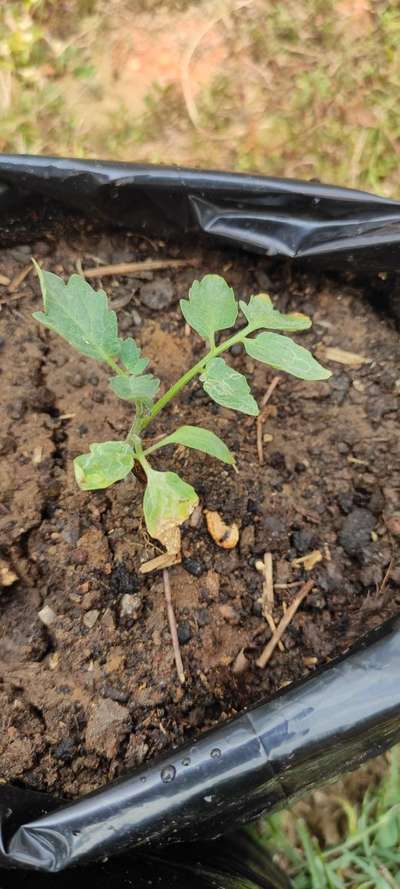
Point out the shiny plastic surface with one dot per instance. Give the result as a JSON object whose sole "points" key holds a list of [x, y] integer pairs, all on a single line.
{"points": [[321, 224], [231, 863], [311, 732]]}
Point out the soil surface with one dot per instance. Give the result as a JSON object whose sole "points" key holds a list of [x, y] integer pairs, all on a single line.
{"points": [[88, 682]]}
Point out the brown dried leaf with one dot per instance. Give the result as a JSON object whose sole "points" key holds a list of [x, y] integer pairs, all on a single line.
{"points": [[343, 357], [226, 536]]}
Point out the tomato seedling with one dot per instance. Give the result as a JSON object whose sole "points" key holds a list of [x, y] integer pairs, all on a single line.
{"points": [[82, 316]]}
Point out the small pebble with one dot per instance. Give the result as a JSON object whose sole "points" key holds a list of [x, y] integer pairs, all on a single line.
{"points": [[229, 614], [157, 294], [356, 531], [64, 749], [393, 524], [130, 606], [136, 317], [90, 618], [184, 632], [115, 694], [47, 616], [192, 566], [202, 617], [79, 556], [77, 380]]}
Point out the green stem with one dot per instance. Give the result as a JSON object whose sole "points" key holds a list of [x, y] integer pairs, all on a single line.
{"points": [[193, 371], [113, 364]]}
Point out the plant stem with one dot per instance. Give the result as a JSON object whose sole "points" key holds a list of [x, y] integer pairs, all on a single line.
{"points": [[193, 371]]}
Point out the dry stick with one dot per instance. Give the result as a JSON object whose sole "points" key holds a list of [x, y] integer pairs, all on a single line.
{"points": [[267, 598], [172, 626], [20, 278], [129, 268], [262, 417], [284, 623]]}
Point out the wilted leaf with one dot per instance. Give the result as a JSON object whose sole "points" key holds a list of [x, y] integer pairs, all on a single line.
{"points": [[211, 306], [106, 463], [130, 357], [80, 315], [282, 353], [168, 501], [260, 311], [142, 388], [226, 536], [228, 387], [200, 439]]}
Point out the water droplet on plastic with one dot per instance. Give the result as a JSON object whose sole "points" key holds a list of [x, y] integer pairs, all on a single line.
{"points": [[168, 774], [75, 833], [143, 779], [216, 753], [316, 200], [186, 761], [208, 799]]}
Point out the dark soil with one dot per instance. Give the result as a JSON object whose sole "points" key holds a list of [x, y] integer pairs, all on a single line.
{"points": [[93, 690]]}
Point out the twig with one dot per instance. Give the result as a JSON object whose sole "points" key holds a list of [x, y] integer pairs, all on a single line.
{"points": [[130, 268], [4, 281], [262, 417], [284, 623], [20, 278], [172, 626], [267, 598], [386, 577]]}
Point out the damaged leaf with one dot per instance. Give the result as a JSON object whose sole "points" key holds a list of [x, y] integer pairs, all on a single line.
{"points": [[106, 463], [168, 501]]}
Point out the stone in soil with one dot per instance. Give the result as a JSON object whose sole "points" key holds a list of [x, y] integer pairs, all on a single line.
{"points": [[108, 724], [157, 294], [355, 533]]}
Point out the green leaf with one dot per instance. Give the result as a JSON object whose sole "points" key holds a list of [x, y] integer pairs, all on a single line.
{"points": [[142, 388], [106, 463], [168, 501], [130, 357], [282, 353], [80, 315], [261, 313], [228, 387], [211, 306], [200, 439]]}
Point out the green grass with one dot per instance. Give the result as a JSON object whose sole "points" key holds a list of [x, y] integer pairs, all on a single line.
{"points": [[368, 853], [305, 90]]}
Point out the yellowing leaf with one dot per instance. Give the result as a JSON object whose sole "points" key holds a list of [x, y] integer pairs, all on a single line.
{"points": [[106, 463], [168, 501]]}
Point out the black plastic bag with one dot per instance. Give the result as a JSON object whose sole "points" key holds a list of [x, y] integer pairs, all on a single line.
{"points": [[313, 731]]}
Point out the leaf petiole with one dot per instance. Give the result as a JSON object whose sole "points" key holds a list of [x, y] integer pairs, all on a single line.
{"points": [[196, 369]]}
